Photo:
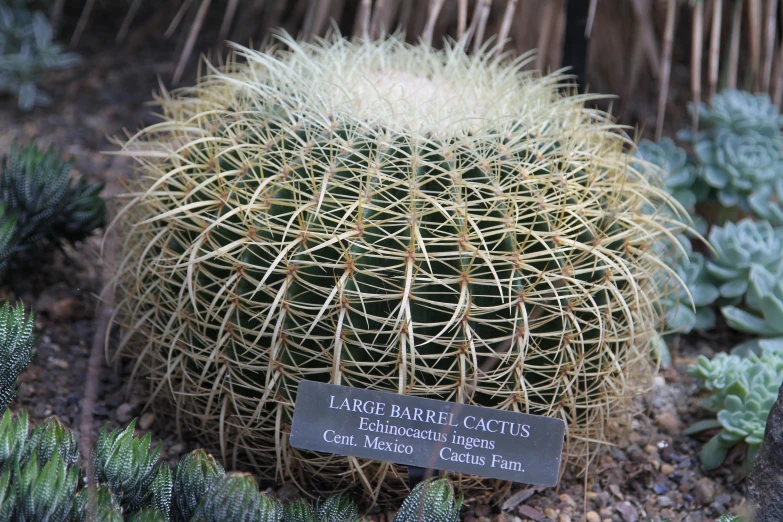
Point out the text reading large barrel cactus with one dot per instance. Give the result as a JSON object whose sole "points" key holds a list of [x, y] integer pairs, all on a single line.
{"points": [[391, 217]]}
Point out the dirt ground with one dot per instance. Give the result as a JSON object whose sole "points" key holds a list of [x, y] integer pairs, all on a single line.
{"points": [[655, 475]]}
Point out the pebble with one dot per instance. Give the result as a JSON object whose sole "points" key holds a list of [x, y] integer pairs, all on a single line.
{"points": [[500, 517], [288, 492], [667, 469], [482, 510], [531, 513], [627, 511], [124, 413], [176, 450], [592, 516], [567, 499], [668, 422], [723, 500], [651, 449], [551, 513], [704, 490], [563, 518], [146, 421], [664, 501]]}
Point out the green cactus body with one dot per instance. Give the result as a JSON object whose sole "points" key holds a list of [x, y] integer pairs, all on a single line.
{"points": [[433, 501], [338, 508], [234, 497], [44, 493], [13, 436], [193, 477], [389, 217]]}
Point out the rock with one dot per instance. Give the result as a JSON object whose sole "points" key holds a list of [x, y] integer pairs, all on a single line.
{"points": [[723, 500], [500, 517], [616, 491], [176, 450], [669, 422], [627, 511], [664, 501], [146, 420], [592, 516], [567, 499], [704, 490], [63, 309], [651, 449], [482, 510], [551, 513], [124, 413], [765, 482], [531, 513], [288, 492], [563, 518], [667, 469]]}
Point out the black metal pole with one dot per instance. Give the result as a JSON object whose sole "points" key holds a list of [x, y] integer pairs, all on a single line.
{"points": [[575, 44]]}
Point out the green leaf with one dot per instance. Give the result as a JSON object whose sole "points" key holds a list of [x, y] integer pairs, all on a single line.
{"points": [[714, 453], [702, 425]]}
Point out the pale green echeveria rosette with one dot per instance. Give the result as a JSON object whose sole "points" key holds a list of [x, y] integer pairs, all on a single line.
{"points": [[764, 314], [668, 164], [740, 111], [687, 307], [765, 202], [738, 246], [737, 164], [744, 390]]}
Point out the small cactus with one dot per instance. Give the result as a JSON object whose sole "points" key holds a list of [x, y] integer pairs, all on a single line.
{"points": [[338, 508], [300, 511], [96, 504], [16, 349], [49, 437], [193, 477], [234, 497], [126, 465], [431, 501], [44, 493], [13, 436]]}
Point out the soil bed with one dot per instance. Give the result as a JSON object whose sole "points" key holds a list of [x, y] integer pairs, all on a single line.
{"points": [[655, 475]]}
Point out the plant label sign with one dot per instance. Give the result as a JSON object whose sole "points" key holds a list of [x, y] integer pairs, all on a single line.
{"points": [[427, 433]]}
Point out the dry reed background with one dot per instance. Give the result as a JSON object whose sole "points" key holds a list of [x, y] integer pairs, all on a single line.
{"points": [[649, 53]]}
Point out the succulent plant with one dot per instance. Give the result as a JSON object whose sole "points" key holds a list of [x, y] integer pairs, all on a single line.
{"points": [[688, 305], [668, 163], [338, 508], [432, 500], [46, 207], [148, 515], [765, 298], [740, 112], [234, 497], [44, 493], [8, 239], [736, 164], [160, 495], [737, 247], [193, 477], [394, 230], [13, 436], [126, 465], [49, 437], [744, 390], [27, 51], [96, 504], [17, 349], [765, 202], [300, 511], [728, 517]]}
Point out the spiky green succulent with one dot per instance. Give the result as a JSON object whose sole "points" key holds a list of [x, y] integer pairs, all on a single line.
{"points": [[27, 50], [744, 388], [148, 515], [737, 164], [422, 225], [432, 500], [338, 508], [49, 437], [741, 111], [8, 239], [13, 437], [193, 477], [17, 349], [300, 511], [737, 247], [43, 493], [96, 504], [43, 203], [668, 163], [234, 497], [126, 465]]}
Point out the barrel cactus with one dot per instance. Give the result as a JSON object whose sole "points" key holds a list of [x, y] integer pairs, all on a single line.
{"points": [[393, 217]]}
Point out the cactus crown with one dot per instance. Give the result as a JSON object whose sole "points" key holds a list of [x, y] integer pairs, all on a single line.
{"points": [[17, 349], [385, 216]]}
